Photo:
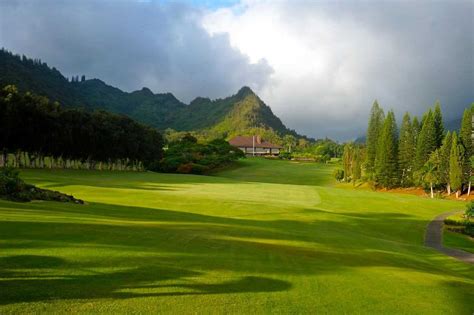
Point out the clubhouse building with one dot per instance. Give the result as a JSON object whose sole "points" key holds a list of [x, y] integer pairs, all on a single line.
{"points": [[254, 145]]}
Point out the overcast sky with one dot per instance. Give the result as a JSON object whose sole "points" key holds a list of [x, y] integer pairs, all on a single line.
{"points": [[318, 64]]}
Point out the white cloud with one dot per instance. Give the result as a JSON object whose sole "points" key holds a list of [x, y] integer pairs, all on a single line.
{"points": [[130, 45], [332, 60], [318, 64]]}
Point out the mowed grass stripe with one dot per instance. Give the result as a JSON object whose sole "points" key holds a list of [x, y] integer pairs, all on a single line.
{"points": [[267, 237]]}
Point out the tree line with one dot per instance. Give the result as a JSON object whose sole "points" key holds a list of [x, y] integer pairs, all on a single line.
{"points": [[35, 132], [420, 153], [187, 156]]}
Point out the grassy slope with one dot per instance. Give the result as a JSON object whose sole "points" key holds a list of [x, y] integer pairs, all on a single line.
{"points": [[458, 240], [271, 236]]}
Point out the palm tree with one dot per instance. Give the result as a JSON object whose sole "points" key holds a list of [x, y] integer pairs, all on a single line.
{"points": [[289, 141]]}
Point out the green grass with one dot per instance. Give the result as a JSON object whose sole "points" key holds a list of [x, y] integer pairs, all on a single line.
{"points": [[268, 237], [458, 240], [458, 219]]}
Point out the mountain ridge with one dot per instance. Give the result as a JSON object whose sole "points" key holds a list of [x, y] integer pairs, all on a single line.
{"points": [[239, 113]]}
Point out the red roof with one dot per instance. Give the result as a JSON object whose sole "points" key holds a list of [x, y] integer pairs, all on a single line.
{"points": [[242, 141]]}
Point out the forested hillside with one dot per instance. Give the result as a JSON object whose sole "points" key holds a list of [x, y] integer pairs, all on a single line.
{"points": [[242, 113], [34, 129]]}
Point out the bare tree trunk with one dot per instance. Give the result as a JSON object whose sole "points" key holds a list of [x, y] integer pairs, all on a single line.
{"points": [[5, 157], [25, 159], [457, 194], [431, 188], [469, 189], [16, 159], [32, 161], [449, 189]]}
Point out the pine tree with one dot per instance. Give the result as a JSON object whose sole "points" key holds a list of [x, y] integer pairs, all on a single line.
{"points": [[445, 152], [416, 128], [465, 137], [455, 165], [386, 160], [356, 165], [376, 121], [347, 158], [406, 151], [426, 142], [438, 123]]}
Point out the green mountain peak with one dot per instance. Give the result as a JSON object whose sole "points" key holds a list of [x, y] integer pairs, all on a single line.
{"points": [[240, 113]]}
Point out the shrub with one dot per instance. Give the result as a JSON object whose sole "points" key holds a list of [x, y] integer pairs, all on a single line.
{"points": [[339, 174], [190, 157], [12, 187], [10, 182], [185, 168], [469, 210], [285, 155], [461, 223], [198, 169]]}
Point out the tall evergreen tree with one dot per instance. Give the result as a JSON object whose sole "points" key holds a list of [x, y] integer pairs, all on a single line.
{"points": [[455, 165], [347, 159], [465, 137], [376, 121], [356, 165], [445, 152], [386, 160], [416, 128], [438, 123], [426, 142], [406, 151]]}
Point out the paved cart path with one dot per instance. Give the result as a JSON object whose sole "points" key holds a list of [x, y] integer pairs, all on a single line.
{"points": [[434, 239]]}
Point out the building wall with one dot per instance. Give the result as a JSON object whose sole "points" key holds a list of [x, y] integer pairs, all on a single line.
{"points": [[249, 150]]}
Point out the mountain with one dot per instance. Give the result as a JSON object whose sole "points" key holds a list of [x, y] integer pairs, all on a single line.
{"points": [[157, 110], [36, 76], [241, 113]]}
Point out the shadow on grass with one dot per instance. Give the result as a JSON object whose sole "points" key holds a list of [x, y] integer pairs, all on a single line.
{"points": [[162, 246], [248, 170], [19, 287], [119, 180]]}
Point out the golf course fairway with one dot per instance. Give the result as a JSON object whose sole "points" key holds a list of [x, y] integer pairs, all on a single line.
{"points": [[268, 236]]}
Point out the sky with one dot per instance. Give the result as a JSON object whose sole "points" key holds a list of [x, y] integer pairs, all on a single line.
{"points": [[318, 64]]}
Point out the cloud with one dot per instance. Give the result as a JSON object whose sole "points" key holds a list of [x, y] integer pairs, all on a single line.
{"points": [[332, 59], [319, 65], [130, 45]]}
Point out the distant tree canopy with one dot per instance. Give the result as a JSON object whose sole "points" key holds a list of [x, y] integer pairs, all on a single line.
{"points": [[33, 124], [419, 154], [186, 155], [320, 150]]}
